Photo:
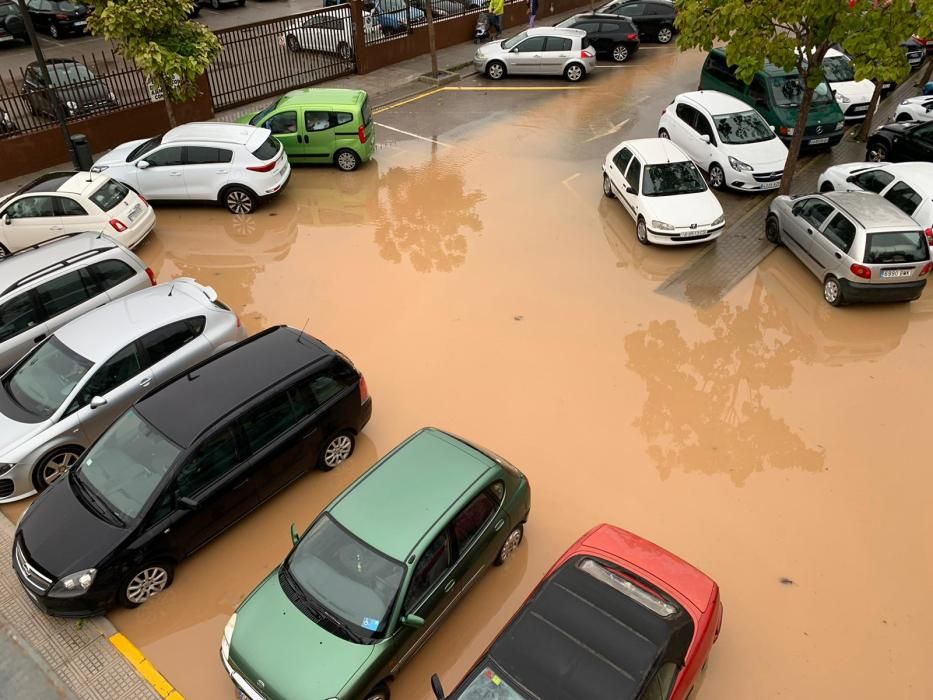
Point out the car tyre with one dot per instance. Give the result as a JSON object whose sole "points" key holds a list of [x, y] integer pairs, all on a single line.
{"points": [[215, 4], [337, 451], [54, 31], [773, 229], [380, 692], [344, 51], [877, 151], [832, 291], [665, 34], [641, 231], [144, 583], [291, 41], [717, 177], [51, 467], [346, 160], [239, 200], [510, 545], [495, 70], [903, 117], [827, 187], [662, 134], [574, 73], [607, 187], [620, 53]]}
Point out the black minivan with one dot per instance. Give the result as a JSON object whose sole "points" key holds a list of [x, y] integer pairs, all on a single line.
{"points": [[186, 462]]}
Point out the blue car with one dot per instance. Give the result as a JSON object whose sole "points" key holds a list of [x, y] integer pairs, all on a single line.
{"points": [[928, 88], [395, 15]]}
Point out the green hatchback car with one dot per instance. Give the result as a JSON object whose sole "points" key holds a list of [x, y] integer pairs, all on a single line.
{"points": [[374, 574], [321, 125]]}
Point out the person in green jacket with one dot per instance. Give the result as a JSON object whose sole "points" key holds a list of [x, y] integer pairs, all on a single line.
{"points": [[496, 10]]}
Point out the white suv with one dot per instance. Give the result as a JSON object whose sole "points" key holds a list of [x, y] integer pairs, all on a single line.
{"points": [[235, 164]]}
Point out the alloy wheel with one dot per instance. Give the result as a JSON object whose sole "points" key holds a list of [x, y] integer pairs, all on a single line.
{"points": [[717, 177], [291, 41], [831, 291], [620, 54], [146, 584], [496, 71], [607, 186], [641, 230], [662, 134], [337, 451], [239, 202], [773, 230], [574, 72], [53, 31], [665, 35], [57, 465], [877, 153], [347, 161], [345, 52], [510, 545]]}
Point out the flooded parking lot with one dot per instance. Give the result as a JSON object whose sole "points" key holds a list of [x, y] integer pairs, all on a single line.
{"points": [[482, 283]]}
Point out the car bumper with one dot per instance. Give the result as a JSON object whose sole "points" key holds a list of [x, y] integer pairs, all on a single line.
{"points": [[366, 412], [142, 227], [900, 291], [17, 484], [479, 65], [684, 237], [752, 181], [94, 603], [277, 183], [820, 141], [244, 689], [856, 112]]}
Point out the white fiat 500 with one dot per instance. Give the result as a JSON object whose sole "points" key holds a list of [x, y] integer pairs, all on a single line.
{"points": [[727, 139], [918, 109], [663, 191]]}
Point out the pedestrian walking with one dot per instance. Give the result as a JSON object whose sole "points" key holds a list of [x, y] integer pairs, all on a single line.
{"points": [[532, 12], [496, 10]]}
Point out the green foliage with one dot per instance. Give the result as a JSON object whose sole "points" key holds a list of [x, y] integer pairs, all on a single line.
{"points": [[157, 36]]}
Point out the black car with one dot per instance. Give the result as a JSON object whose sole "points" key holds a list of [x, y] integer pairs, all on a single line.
{"points": [[654, 18], [58, 17], [76, 89], [612, 36], [12, 27], [185, 463], [901, 141]]}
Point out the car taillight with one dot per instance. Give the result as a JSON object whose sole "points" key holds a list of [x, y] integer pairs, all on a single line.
{"points": [[261, 168], [151, 276], [632, 37], [143, 200], [362, 134], [364, 390], [61, 16], [118, 225], [861, 271], [929, 233], [927, 268], [586, 53]]}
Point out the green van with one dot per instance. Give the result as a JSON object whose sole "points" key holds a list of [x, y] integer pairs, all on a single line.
{"points": [[776, 93], [321, 125]]}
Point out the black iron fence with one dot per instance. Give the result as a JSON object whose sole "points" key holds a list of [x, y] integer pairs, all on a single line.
{"points": [[386, 20], [267, 58]]}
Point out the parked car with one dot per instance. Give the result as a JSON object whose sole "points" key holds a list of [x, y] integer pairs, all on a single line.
{"points": [[75, 88], [12, 27], [364, 596], [776, 93], [185, 463], [7, 126], [918, 109], [654, 19], [539, 51], [616, 617], [731, 142], [325, 32], [908, 186], [394, 16], [915, 52], [321, 125], [440, 8], [662, 190], [237, 165], [859, 245], [610, 36], [72, 202], [901, 141], [58, 18], [45, 286], [66, 391], [853, 96], [217, 4]]}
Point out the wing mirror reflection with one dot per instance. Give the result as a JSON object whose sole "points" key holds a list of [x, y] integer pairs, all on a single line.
{"points": [[97, 402], [437, 687]]}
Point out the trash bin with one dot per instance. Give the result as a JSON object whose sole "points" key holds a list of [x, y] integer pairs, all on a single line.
{"points": [[81, 152]]}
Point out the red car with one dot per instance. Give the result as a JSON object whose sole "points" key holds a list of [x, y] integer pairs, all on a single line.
{"points": [[616, 617]]}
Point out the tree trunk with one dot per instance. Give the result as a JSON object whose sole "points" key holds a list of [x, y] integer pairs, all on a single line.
{"points": [[169, 107], [927, 72], [793, 150], [432, 44], [865, 130]]}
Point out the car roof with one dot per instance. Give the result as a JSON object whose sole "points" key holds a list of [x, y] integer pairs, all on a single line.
{"points": [[715, 102], [653, 151], [769, 69], [871, 211], [556, 31], [607, 16], [328, 96], [220, 132], [187, 405], [919, 174], [47, 182], [100, 332], [411, 488], [577, 636]]}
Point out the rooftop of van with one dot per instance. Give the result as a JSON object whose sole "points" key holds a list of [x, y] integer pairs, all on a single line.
{"points": [[397, 502], [189, 404], [219, 132], [769, 69], [322, 96], [15, 268]]}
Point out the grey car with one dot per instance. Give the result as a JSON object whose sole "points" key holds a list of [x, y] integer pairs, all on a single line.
{"points": [[45, 286], [61, 396], [540, 51], [859, 245]]}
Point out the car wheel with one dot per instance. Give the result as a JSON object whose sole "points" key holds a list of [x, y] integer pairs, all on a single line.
{"points": [[717, 177], [773, 229], [239, 200], [641, 231], [607, 187], [380, 692], [877, 152], [832, 291], [291, 41], [662, 134], [215, 4], [574, 72], [51, 467], [337, 451], [903, 117], [347, 160], [665, 34], [510, 545], [495, 70], [3, 251], [620, 53], [344, 51], [53, 31], [240, 3], [144, 583], [827, 187]]}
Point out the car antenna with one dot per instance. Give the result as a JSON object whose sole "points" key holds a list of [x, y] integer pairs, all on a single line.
{"points": [[171, 289], [302, 331]]}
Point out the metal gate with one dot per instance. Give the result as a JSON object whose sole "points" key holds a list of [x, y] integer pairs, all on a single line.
{"points": [[268, 58]]}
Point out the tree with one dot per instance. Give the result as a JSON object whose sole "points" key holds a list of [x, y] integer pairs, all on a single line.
{"points": [[792, 34], [157, 36]]}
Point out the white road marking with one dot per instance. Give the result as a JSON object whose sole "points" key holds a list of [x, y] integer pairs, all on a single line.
{"points": [[566, 180], [611, 130], [414, 136]]}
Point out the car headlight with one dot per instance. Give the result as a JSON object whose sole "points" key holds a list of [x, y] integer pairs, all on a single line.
{"points": [[842, 99], [661, 225], [5, 467], [73, 585], [228, 637], [739, 165], [721, 219], [839, 125], [72, 106]]}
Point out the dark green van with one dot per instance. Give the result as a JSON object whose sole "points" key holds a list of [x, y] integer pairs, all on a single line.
{"points": [[321, 125], [776, 93]]}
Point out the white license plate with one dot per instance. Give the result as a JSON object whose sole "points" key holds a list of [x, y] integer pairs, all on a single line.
{"points": [[861, 108], [692, 234], [6, 38], [134, 212], [81, 23], [817, 142], [771, 185], [896, 273]]}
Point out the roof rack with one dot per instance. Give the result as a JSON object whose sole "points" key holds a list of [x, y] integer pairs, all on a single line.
{"points": [[43, 178], [32, 276], [44, 243]]}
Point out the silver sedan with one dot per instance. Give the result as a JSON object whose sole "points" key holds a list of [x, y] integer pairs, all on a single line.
{"points": [[541, 51]]}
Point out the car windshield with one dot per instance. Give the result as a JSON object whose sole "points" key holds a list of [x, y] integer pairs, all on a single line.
{"points": [[68, 73], [264, 113], [347, 577], [510, 43], [127, 464], [743, 127], [486, 684], [896, 247], [838, 69], [42, 383], [143, 148], [788, 92], [666, 179]]}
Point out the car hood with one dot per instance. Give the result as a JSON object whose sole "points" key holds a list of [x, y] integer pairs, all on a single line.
{"points": [[700, 208], [90, 92], [856, 90], [293, 656], [14, 433], [62, 536], [493, 48], [118, 155], [897, 128], [764, 155]]}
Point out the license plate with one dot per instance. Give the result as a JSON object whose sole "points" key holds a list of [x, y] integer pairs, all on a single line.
{"points": [[6, 38], [134, 212], [692, 234], [771, 185], [81, 23], [896, 273], [860, 108], [817, 142]]}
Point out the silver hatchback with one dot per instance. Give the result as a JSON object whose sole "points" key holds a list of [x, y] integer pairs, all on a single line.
{"points": [[61, 396], [541, 51], [859, 245]]}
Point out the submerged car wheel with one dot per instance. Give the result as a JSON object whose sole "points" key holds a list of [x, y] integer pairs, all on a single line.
{"points": [[54, 465], [662, 134], [347, 160], [665, 34], [144, 583], [903, 117], [380, 692], [338, 450], [832, 291], [773, 229], [239, 200], [877, 152], [574, 72], [495, 70], [291, 41], [827, 187], [510, 545], [607, 187], [641, 231], [717, 177], [344, 51], [620, 53]]}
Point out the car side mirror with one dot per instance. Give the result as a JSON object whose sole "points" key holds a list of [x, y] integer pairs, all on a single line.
{"points": [[412, 621], [630, 190], [142, 164], [704, 138], [795, 210], [437, 687], [97, 402], [851, 178], [7, 219], [295, 537], [772, 127], [188, 503]]}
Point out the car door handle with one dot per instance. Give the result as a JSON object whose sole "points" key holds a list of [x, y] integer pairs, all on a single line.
{"points": [[499, 525], [449, 585], [56, 228], [809, 231], [39, 338], [838, 256], [221, 172], [176, 173], [145, 382]]}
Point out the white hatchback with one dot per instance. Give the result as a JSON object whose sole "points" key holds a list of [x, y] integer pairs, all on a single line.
{"points": [[663, 191], [853, 96], [727, 139], [60, 203], [918, 109], [236, 165]]}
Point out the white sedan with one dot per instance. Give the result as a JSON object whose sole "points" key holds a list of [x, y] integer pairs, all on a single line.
{"points": [[663, 191], [915, 109]]}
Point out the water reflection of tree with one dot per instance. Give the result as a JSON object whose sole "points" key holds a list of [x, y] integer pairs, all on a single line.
{"points": [[705, 409], [424, 211]]}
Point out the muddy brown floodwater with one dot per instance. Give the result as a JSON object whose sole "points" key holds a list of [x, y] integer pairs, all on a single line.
{"points": [[483, 285]]}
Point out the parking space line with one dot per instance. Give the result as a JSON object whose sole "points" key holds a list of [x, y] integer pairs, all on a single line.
{"points": [[608, 132], [144, 668], [393, 105], [414, 136], [515, 88]]}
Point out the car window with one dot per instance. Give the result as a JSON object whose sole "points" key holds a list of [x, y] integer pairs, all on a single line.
{"points": [[814, 211], [69, 207], [687, 114], [41, 383], [31, 208], [164, 341], [268, 149], [633, 10], [717, 67], [621, 159], [471, 519], [757, 90], [704, 128], [201, 155], [342, 118], [903, 197], [896, 247], [144, 147], [657, 9], [633, 175], [873, 180], [317, 121], [661, 684], [171, 155], [211, 460], [924, 133], [65, 292], [16, 315], [665, 179], [110, 194], [120, 368], [283, 123], [533, 43], [273, 417], [110, 273], [588, 27], [558, 43], [325, 386], [840, 232], [434, 563]]}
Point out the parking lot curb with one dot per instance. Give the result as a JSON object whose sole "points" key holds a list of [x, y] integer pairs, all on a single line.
{"points": [[144, 667]]}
